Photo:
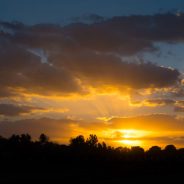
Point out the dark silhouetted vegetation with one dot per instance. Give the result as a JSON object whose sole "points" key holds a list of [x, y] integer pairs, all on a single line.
{"points": [[86, 160]]}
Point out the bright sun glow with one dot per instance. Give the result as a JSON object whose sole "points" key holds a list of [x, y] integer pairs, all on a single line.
{"points": [[131, 133], [131, 137], [131, 142]]}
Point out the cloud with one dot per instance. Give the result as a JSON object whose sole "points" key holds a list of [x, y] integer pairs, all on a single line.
{"points": [[125, 34], [19, 69], [179, 109], [153, 102], [14, 110], [160, 101], [152, 122], [88, 19], [101, 69], [177, 105], [79, 56], [180, 103], [65, 73]]}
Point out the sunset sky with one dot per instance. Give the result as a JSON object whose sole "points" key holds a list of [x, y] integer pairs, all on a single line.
{"points": [[114, 68]]}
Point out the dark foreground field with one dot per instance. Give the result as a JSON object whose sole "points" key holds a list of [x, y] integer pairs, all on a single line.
{"points": [[97, 172], [86, 161]]}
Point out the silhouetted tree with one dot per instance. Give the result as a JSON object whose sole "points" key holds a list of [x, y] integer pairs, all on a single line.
{"points": [[14, 139], [170, 148], [104, 146], [154, 153], [122, 149], [155, 150], [170, 151], [92, 140], [181, 153], [25, 138], [78, 141], [137, 152], [43, 139]]}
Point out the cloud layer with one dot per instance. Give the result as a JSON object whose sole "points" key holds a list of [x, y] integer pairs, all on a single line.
{"points": [[49, 58], [13, 110]]}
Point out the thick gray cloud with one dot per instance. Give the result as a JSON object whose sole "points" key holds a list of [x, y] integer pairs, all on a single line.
{"points": [[14, 110]]}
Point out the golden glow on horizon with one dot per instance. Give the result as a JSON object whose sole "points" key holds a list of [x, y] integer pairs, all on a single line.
{"points": [[132, 137], [109, 114], [130, 133], [130, 143]]}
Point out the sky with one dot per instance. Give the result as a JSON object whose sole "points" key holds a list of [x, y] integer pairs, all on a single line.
{"points": [[111, 68], [61, 11]]}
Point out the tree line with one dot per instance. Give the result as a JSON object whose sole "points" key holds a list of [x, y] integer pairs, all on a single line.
{"points": [[22, 146], [85, 160]]}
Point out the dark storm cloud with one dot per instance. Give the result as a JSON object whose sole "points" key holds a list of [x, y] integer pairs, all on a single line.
{"points": [[13, 110], [86, 52]]}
